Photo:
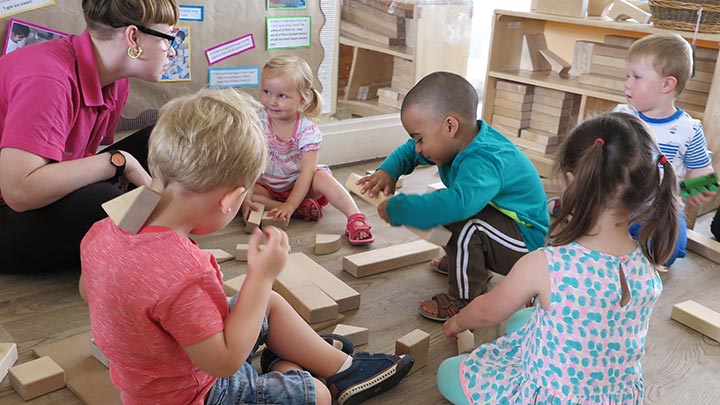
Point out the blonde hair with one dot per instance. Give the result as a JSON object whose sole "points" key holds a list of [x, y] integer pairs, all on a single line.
{"points": [[299, 72], [211, 139], [103, 16], [671, 56]]}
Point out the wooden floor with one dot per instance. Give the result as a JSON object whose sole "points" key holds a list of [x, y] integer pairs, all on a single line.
{"points": [[680, 366]]}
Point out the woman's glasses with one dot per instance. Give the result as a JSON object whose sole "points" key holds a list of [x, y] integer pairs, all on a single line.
{"points": [[167, 37]]}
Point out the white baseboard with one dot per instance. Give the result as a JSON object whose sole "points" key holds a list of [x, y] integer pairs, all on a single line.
{"points": [[358, 139]]}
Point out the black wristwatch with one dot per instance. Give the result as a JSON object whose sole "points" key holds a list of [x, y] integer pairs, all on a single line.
{"points": [[117, 159]]}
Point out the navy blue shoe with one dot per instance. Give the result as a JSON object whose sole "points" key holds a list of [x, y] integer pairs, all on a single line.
{"points": [[268, 358], [368, 376]]}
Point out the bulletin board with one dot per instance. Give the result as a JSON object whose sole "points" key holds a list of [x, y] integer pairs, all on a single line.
{"points": [[223, 21]]}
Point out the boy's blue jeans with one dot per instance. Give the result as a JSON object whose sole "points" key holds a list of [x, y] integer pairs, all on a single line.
{"points": [[680, 244], [246, 386]]}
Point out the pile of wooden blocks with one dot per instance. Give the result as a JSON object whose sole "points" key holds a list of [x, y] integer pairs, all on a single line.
{"points": [[512, 107], [602, 64], [553, 113], [373, 21], [403, 79]]}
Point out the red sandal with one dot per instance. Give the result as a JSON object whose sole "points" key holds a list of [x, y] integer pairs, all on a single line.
{"points": [[305, 210], [356, 224]]}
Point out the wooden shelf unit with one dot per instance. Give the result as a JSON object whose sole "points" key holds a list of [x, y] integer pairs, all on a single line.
{"points": [[436, 37]]}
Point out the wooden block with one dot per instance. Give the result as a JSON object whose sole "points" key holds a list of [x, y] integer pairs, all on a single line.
{"points": [[610, 51], [98, 354], [308, 299], [86, 377], [512, 105], [552, 111], [606, 82], [8, 357], [232, 286], [255, 218], [693, 97], [514, 97], [438, 235], [398, 183], [530, 57], [559, 128], [608, 61], [619, 73], [241, 252], [416, 343], [267, 220], [36, 377], [557, 64], [620, 10], [695, 85], [517, 115], [569, 8], [619, 40], [704, 77], [704, 246], [355, 30], [543, 163], [220, 255], [326, 324], [326, 244], [436, 186], [345, 296], [548, 118], [358, 335], [542, 137], [705, 54], [513, 87], [538, 147], [552, 102], [552, 187], [130, 210], [582, 57], [509, 122], [552, 93], [595, 7], [369, 91], [698, 317], [389, 258], [389, 93], [465, 342], [510, 133]]}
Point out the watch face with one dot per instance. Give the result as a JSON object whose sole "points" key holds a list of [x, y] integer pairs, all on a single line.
{"points": [[118, 159]]}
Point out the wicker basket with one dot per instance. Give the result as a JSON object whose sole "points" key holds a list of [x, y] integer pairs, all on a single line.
{"points": [[682, 15]]}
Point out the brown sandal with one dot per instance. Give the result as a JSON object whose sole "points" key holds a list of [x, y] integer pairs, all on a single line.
{"points": [[447, 307]]}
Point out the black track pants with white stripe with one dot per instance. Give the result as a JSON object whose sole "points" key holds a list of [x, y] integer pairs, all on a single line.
{"points": [[489, 241]]}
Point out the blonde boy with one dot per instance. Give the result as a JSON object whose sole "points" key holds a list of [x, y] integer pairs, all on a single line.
{"points": [[659, 67], [157, 307]]}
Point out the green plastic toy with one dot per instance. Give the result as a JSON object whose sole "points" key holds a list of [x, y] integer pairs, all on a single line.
{"points": [[697, 185]]}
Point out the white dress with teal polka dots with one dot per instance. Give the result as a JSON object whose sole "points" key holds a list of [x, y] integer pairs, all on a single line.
{"points": [[585, 349]]}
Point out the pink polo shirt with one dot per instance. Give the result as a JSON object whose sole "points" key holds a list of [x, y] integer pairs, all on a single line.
{"points": [[51, 102]]}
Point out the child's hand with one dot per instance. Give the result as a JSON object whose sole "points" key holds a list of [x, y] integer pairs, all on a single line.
{"points": [[134, 172], [382, 211], [699, 199], [451, 328], [377, 182], [283, 213], [270, 260], [247, 206]]}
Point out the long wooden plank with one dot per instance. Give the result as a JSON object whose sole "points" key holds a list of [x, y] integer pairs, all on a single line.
{"points": [[438, 235], [389, 258], [706, 247], [698, 317], [345, 296], [308, 299]]}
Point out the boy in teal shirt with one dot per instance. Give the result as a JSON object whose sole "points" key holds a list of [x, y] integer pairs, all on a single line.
{"points": [[494, 204]]}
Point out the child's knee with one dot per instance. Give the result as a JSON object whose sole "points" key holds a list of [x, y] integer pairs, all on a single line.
{"points": [[322, 393]]}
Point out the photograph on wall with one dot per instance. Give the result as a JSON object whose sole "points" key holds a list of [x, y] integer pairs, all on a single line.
{"points": [[286, 4], [179, 70], [288, 32], [22, 33]]}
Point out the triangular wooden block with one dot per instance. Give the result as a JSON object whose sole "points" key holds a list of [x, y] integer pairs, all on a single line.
{"points": [[357, 335], [130, 210]]}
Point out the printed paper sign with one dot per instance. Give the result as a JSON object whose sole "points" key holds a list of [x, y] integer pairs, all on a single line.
{"points": [[234, 77], [192, 13], [230, 48], [288, 32], [10, 7]]}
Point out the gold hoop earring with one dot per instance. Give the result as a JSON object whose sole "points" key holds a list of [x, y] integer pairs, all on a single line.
{"points": [[134, 53]]}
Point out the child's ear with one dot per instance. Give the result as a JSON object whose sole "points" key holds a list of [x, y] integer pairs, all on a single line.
{"points": [[451, 125], [230, 198], [669, 84]]}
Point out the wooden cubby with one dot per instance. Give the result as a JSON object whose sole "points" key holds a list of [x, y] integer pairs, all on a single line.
{"points": [[561, 34], [429, 36]]}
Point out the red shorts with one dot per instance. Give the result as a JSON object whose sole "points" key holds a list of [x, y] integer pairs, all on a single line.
{"points": [[283, 195]]}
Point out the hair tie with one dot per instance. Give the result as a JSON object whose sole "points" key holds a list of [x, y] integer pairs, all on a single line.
{"points": [[662, 159], [600, 141]]}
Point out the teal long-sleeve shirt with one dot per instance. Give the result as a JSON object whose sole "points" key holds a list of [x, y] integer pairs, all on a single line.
{"points": [[490, 170]]}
